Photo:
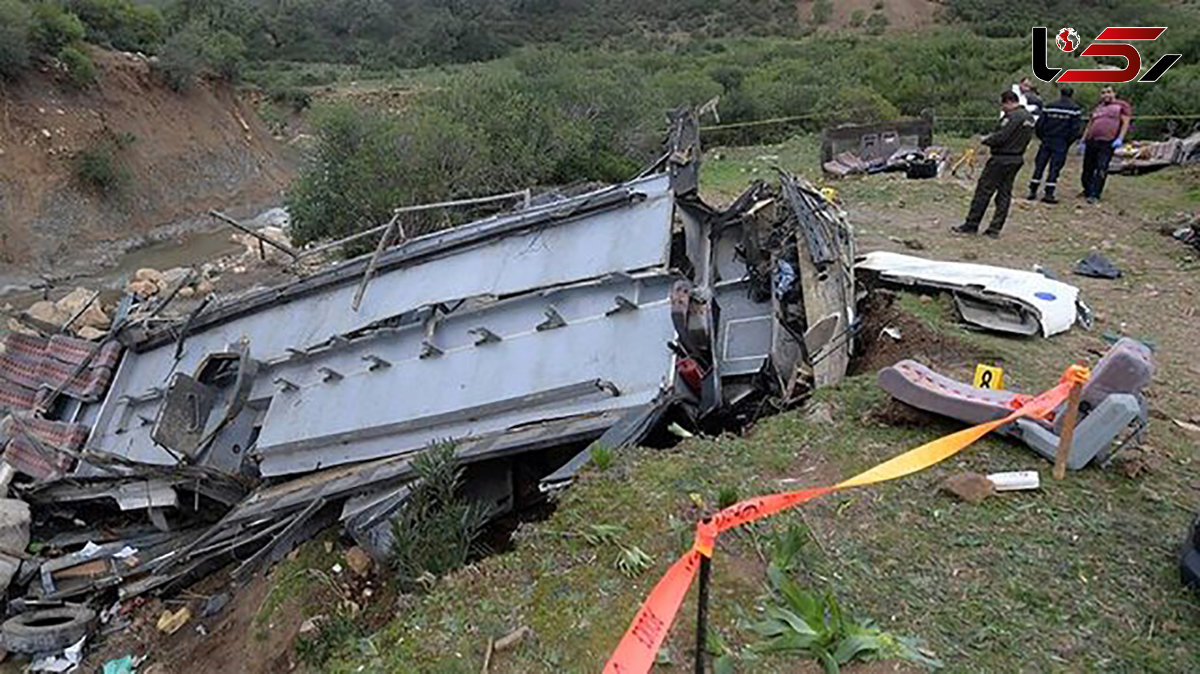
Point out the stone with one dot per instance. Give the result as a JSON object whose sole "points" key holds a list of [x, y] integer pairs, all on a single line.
{"points": [[970, 487], [47, 312], [93, 316], [142, 289], [359, 561], [14, 526], [203, 288], [148, 274], [175, 275], [186, 292], [89, 333]]}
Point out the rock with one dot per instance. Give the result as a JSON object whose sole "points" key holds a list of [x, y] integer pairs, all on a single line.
{"points": [[93, 316], [970, 487], [359, 561], [203, 288], [142, 289], [89, 333], [186, 292], [14, 526], [47, 312], [175, 275], [148, 274]]}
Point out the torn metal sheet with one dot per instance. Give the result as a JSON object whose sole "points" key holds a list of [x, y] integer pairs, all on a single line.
{"points": [[1052, 302]]}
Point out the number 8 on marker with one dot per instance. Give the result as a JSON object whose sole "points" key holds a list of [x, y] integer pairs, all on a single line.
{"points": [[989, 377]]}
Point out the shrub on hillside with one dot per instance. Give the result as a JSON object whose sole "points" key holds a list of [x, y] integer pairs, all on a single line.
{"points": [[877, 23], [224, 55], [99, 166], [181, 59], [54, 28], [80, 71], [14, 38], [435, 529], [822, 11], [121, 24]]}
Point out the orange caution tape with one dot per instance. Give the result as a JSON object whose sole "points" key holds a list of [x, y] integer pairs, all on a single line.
{"points": [[638, 648]]}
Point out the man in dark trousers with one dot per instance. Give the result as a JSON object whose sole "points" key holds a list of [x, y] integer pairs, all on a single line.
{"points": [[1105, 132], [1008, 145], [1058, 127]]}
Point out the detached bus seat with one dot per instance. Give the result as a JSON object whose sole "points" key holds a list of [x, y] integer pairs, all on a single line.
{"points": [[1110, 401]]}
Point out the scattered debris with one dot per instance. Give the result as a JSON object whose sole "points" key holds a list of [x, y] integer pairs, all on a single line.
{"points": [[1022, 480], [211, 439], [970, 487], [1113, 399], [65, 661], [870, 148], [125, 665], [1097, 266], [170, 622], [1189, 559], [511, 639], [996, 298], [1187, 425], [1138, 157], [892, 332], [48, 630], [214, 604]]}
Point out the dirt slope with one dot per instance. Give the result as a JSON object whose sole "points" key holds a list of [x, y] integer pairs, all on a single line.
{"points": [[190, 151]]}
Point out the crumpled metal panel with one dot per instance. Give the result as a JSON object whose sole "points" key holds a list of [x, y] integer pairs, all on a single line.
{"points": [[472, 389], [632, 237]]}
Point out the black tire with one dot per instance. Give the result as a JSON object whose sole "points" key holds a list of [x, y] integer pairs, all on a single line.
{"points": [[48, 630]]}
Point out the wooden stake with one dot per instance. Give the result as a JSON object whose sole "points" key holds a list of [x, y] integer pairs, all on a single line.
{"points": [[1068, 432]]}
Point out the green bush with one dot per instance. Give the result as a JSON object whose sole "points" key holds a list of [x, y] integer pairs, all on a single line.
{"points": [[224, 55], [181, 59], [121, 24], [99, 166], [293, 97], [877, 23], [435, 529], [857, 18], [80, 71], [54, 28], [15, 23], [822, 11]]}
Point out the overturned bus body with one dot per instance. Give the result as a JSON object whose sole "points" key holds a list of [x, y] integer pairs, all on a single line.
{"points": [[524, 338]]}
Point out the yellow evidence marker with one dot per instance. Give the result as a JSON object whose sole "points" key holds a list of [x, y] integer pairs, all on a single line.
{"points": [[989, 377]]}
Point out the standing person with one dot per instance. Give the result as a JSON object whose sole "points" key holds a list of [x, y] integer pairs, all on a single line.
{"points": [[1105, 132], [1008, 144], [1028, 97], [1058, 127]]}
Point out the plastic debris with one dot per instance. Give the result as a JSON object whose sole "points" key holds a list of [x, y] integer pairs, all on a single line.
{"points": [[59, 662], [170, 622]]}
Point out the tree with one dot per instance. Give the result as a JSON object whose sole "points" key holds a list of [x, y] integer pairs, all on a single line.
{"points": [[14, 38]]}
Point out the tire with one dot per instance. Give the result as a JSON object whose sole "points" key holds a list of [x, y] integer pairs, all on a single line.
{"points": [[48, 630]]}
